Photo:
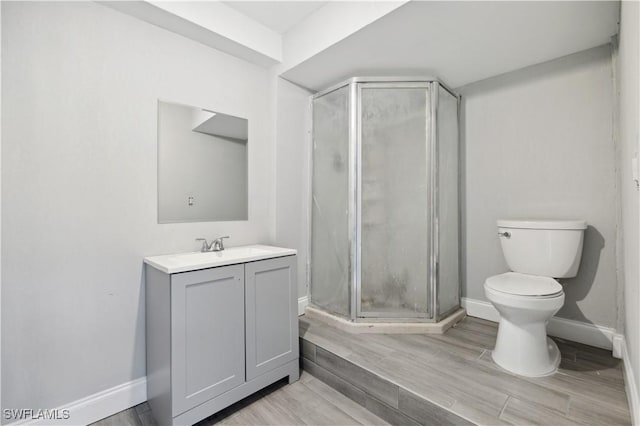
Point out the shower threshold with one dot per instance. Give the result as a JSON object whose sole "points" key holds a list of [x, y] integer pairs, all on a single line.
{"points": [[377, 326]]}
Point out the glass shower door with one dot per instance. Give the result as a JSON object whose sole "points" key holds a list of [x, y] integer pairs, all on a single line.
{"points": [[448, 204], [330, 242], [394, 200]]}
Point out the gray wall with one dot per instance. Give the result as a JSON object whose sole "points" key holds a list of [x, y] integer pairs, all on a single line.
{"points": [[293, 141], [628, 130], [80, 89], [539, 143]]}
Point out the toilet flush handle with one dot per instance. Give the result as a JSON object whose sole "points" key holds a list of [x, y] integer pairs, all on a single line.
{"points": [[505, 234]]}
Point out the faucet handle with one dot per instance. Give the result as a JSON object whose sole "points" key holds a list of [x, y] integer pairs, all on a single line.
{"points": [[205, 245], [218, 243]]}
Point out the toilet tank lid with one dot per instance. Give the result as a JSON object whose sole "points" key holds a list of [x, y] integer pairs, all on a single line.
{"points": [[542, 224]]}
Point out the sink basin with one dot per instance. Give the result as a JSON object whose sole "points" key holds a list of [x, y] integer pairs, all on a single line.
{"points": [[184, 262]]}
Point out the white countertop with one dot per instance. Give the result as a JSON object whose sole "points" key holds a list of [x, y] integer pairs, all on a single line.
{"points": [[184, 262]]}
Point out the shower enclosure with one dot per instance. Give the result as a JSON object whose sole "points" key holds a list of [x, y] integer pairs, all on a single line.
{"points": [[385, 208]]}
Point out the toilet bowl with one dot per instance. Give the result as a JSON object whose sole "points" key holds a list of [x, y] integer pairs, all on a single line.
{"points": [[528, 297], [522, 345]]}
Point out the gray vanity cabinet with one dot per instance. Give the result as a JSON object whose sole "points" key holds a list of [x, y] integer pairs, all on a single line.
{"points": [[217, 335], [207, 329], [271, 314]]}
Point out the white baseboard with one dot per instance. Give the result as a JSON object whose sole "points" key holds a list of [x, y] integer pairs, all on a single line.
{"points": [[618, 346], [581, 332], [95, 407], [577, 331], [631, 386], [480, 309], [302, 303]]}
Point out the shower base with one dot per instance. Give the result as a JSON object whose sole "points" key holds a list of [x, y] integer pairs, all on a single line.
{"points": [[385, 327]]}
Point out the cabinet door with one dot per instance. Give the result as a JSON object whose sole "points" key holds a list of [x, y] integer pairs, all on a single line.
{"points": [[207, 334], [271, 313]]}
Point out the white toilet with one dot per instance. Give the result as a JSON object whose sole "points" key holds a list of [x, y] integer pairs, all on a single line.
{"points": [[536, 251]]}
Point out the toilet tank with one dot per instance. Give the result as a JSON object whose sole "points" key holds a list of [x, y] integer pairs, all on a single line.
{"points": [[550, 248]]}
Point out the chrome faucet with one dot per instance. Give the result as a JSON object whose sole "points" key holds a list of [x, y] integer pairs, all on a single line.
{"points": [[215, 245], [218, 243]]}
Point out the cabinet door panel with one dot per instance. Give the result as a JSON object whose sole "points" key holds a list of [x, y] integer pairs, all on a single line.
{"points": [[207, 334], [271, 314]]}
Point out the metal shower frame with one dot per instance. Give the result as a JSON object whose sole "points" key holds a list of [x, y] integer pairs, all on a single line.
{"points": [[355, 85]]}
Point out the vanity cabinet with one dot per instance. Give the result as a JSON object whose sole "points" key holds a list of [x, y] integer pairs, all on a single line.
{"points": [[207, 334], [271, 312], [217, 335]]}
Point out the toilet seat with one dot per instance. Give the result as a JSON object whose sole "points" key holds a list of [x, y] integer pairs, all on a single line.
{"points": [[523, 285]]}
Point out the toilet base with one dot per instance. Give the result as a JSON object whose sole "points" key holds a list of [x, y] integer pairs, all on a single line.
{"points": [[541, 370], [522, 346]]}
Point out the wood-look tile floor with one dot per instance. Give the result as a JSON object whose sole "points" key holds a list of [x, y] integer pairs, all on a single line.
{"points": [[456, 372], [453, 370], [306, 402]]}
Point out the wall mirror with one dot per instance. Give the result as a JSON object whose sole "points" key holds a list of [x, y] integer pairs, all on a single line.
{"points": [[202, 165]]}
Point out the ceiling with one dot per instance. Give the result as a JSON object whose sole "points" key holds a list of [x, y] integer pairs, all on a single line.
{"points": [[279, 16], [462, 42], [459, 42]]}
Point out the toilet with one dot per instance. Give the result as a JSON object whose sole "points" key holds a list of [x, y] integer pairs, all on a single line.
{"points": [[536, 251]]}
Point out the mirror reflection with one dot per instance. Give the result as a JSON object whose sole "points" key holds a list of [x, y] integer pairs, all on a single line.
{"points": [[202, 165]]}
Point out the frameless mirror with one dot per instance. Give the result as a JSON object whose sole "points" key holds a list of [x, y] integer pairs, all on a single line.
{"points": [[202, 165]]}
